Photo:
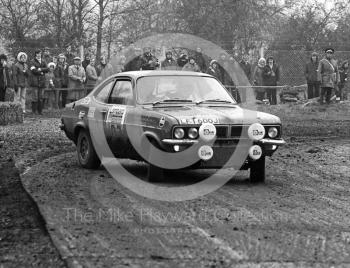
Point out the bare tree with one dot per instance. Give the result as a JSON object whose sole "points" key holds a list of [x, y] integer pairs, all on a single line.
{"points": [[18, 19]]}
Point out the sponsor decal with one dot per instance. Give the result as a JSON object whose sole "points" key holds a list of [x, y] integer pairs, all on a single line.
{"points": [[205, 152], [116, 115], [207, 132], [162, 122], [255, 152], [199, 120], [256, 132], [91, 113]]}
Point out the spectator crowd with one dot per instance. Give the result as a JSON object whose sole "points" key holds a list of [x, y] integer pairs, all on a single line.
{"points": [[75, 77]]}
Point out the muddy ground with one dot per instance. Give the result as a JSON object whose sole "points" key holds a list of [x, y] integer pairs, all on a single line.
{"points": [[299, 218]]}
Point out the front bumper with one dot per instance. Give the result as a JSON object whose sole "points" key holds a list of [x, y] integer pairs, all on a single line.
{"points": [[278, 142], [225, 152]]}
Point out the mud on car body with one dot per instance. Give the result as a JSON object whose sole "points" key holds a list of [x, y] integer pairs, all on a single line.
{"points": [[174, 112]]}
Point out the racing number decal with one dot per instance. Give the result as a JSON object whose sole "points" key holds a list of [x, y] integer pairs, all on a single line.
{"points": [[115, 119], [116, 115]]}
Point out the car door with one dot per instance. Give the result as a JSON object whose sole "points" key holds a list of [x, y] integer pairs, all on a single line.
{"points": [[100, 108], [120, 101]]}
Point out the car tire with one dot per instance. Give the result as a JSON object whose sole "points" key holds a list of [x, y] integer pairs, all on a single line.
{"points": [[257, 171], [155, 174], [87, 156]]}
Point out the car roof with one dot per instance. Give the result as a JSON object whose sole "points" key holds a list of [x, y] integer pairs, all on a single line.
{"points": [[138, 74]]}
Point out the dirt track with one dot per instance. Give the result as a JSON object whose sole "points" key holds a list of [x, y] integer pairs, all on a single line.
{"points": [[299, 218]]}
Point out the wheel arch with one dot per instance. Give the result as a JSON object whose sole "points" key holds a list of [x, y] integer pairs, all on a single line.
{"points": [[78, 127], [151, 136]]}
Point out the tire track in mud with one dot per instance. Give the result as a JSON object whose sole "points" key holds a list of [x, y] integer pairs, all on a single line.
{"points": [[284, 222]]}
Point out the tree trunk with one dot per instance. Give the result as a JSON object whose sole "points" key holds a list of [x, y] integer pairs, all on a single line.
{"points": [[99, 30]]}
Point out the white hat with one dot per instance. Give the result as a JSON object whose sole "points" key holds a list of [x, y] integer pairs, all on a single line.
{"points": [[20, 54], [51, 64]]}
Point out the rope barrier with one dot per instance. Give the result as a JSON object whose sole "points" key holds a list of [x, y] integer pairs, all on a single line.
{"points": [[285, 86]]}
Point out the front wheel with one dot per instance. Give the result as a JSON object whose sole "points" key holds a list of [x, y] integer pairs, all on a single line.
{"points": [[155, 174], [87, 156], [257, 171]]}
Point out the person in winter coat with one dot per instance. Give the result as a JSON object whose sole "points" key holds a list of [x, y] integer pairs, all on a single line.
{"points": [[47, 55], [214, 69], [169, 63], [258, 79], [245, 65], [328, 75], [61, 75], [313, 83], [38, 68], [343, 84], [149, 62], [134, 61], [200, 60], [86, 61], [5, 79], [51, 95], [77, 77], [91, 76], [69, 55], [271, 76], [182, 60], [104, 69], [224, 68], [20, 79], [191, 66]]}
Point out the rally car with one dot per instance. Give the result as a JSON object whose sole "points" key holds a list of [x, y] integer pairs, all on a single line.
{"points": [[171, 120]]}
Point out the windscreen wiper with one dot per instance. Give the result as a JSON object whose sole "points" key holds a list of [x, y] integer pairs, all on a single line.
{"points": [[172, 100], [215, 100]]}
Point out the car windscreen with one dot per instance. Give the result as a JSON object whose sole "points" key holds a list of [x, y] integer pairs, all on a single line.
{"points": [[152, 89]]}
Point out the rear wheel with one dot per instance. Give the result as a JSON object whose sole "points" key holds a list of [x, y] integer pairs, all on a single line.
{"points": [[257, 171], [87, 156]]}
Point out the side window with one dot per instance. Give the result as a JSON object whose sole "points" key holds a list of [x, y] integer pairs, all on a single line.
{"points": [[122, 93], [102, 94]]}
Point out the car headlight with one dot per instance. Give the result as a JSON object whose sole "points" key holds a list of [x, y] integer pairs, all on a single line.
{"points": [[273, 132], [179, 133], [193, 133]]}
